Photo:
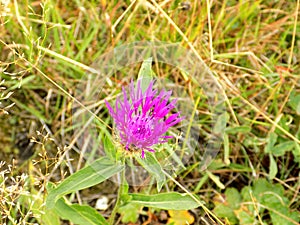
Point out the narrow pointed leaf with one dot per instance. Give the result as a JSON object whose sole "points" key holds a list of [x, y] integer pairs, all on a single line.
{"points": [[273, 167], [79, 214], [151, 164], [282, 148], [168, 201], [88, 176]]}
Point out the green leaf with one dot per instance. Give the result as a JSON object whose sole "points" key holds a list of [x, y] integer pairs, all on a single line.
{"points": [[226, 212], [282, 148], [260, 186], [129, 212], [240, 129], [271, 196], [279, 219], [172, 200], [294, 102], [273, 167], [270, 142], [90, 175], [151, 164], [296, 152], [50, 218], [79, 214], [245, 218], [109, 147], [146, 74], [247, 193], [233, 197]]}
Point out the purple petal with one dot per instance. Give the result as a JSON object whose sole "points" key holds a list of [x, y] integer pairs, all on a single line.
{"points": [[140, 117], [143, 154]]}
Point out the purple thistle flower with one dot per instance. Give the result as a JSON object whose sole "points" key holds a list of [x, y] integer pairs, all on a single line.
{"points": [[143, 118]]}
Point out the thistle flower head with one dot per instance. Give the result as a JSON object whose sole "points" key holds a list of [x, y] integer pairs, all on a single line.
{"points": [[143, 118]]}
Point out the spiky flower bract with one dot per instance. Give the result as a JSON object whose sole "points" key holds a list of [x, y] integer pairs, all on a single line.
{"points": [[143, 117]]}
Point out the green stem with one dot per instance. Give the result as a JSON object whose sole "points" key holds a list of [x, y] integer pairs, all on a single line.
{"points": [[118, 202]]}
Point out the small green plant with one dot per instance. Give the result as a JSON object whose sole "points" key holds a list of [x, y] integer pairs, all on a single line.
{"points": [[142, 121], [263, 202]]}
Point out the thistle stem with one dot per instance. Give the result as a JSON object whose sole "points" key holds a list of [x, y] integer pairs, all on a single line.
{"points": [[120, 193]]}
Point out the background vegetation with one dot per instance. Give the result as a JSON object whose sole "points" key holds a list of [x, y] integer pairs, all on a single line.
{"points": [[252, 48]]}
